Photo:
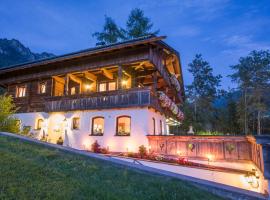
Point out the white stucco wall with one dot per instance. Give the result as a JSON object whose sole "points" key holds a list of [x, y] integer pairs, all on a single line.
{"points": [[141, 125]]}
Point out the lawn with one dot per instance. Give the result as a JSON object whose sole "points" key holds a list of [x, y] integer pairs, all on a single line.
{"points": [[29, 171]]}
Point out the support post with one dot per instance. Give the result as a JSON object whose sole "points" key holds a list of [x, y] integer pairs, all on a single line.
{"points": [[119, 80], [155, 82], [66, 84]]}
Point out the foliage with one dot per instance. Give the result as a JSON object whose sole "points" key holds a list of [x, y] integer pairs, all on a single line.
{"points": [[26, 130], [111, 32], [78, 177], [95, 147], [209, 133], [104, 150], [252, 74], [202, 93], [60, 141], [138, 25], [142, 151], [8, 123]]}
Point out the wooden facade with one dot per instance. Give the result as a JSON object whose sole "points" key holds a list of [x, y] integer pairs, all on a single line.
{"points": [[118, 75]]}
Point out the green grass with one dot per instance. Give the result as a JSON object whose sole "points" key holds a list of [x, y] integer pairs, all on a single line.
{"points": [[29, 171]]}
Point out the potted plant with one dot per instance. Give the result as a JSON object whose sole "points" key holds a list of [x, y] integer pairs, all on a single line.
{"points": [[60, 141]]}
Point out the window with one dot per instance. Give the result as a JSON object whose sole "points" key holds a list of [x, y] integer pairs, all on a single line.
{"points": [[75, 123], [98, 126], [123, 126], [154, 126], [42, 88], [73, 91], [112, 86], [39, 124], [21, 91], [161, 127], [102, 87]]}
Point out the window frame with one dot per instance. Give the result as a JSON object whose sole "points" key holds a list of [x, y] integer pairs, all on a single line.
{"points": [[92, 126], [117, 119], [18, 88], [75, 128]]}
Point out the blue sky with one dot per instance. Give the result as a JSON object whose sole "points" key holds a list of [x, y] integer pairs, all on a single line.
{"points": [[221, 30]]}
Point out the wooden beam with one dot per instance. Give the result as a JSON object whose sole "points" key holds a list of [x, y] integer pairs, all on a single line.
{"points": [[66, 84], [90, 76], [75, 78], [106, 73], [59, 79], [119, 79]]}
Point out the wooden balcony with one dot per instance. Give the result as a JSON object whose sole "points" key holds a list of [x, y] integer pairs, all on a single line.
{"points": [[135, 97]]}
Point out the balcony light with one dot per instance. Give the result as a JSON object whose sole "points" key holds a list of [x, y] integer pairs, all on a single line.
{"points": [[124, 82], [88, 87]]}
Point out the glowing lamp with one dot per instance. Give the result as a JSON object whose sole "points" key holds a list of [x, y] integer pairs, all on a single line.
{"points": [[88, 87], [209, 157], [124, 82]]}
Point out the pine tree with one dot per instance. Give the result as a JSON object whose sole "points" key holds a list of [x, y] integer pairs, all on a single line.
{"points": [[111, 32], [252, 74], [138, 25], [203, 91]]}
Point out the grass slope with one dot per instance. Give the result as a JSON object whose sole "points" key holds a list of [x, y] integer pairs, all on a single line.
{"points": [[29, 171]]}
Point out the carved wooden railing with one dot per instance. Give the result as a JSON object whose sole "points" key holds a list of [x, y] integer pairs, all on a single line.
{"points": [[102, 100]]}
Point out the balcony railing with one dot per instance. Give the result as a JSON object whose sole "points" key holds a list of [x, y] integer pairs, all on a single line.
{"points": [[103, 100]]}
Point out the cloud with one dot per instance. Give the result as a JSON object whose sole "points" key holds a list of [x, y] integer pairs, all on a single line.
{"points": [[241, 45], [185, 31]]}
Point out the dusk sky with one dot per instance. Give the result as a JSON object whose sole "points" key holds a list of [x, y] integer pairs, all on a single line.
{"points": [[221, 31]]}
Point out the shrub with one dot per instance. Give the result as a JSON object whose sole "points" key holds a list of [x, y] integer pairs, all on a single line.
{"points": [[8, 123], [142, 151], [95, 147], [104, 150], [60, 141], [26, 130]]}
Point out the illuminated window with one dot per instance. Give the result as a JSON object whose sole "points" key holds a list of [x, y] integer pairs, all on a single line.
{"points": [[73, 91], [98, 126], [161, 127], [42, 88], [102, 87], [112, 86], [21, 91], [75, 123], [154, 126], [123, 126], [39, 124]]}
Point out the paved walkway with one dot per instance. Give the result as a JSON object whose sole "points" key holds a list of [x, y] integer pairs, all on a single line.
{"points": [[216, 188]]}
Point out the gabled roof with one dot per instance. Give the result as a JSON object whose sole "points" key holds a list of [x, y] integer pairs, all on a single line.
{"points": [[91, 51]]}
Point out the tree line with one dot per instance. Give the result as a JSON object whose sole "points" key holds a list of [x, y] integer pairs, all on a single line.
{"points": [[243, 110], [208, 108]]}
